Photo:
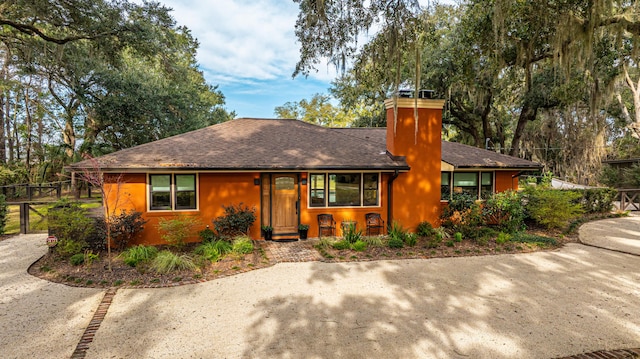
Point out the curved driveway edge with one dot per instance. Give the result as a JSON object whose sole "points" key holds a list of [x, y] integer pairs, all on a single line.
{"points": [[574, 300], [618, 234], [577, 299], [38, 319]]}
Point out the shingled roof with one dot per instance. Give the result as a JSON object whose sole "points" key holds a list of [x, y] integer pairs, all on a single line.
{"points": [[453, 153], [254, 144], [463, 156], [277, 144]]}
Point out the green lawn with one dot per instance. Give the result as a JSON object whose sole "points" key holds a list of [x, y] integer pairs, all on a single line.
{"points": [[36, 222]]}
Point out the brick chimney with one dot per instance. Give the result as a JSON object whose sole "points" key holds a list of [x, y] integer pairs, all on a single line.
{"points": [[416, 194]]}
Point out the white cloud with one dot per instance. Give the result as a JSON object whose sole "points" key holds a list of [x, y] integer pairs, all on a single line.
{"points": [[242, 40]]}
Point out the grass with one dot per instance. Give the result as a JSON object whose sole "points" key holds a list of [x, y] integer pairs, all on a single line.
{"points": [[37, 223], [166, 262]]}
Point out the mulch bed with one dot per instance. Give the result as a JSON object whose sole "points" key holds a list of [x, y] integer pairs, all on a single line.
{"points": [[56, 268], [465, 248]]}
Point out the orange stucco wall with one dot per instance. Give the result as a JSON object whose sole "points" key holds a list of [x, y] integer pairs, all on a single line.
{"points": [[416, 194], [215, 190], [309, 215], [506, 180]]}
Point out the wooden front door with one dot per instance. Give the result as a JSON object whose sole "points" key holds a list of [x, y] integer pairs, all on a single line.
{"points": [[284, 204]]}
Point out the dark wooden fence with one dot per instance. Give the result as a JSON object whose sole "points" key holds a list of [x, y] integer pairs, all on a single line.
{"points": [[26, 195], [28, 191], [629, 199]]}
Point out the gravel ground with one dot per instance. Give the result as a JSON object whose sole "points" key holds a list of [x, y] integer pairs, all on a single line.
{"points": [[538, 305], [38, 319]]}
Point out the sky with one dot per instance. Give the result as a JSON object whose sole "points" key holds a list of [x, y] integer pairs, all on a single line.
{"points": [[248, 48]]}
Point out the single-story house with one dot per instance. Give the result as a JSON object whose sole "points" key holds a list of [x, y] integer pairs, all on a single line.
{"points": [[292, 171]]}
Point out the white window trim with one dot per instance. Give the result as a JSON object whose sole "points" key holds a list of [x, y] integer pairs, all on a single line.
{"points": [[326, 189], [173, 192]]}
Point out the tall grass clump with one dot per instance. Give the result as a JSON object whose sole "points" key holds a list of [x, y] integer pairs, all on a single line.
{"points": [[242, 245], [138, 254], [352, 235], [167, 262]]}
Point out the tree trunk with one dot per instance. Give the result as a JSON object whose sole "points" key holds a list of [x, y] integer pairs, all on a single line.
{"points": [[527, 114], [28, 120], [7, 127], [484, 114], [3, 148]]}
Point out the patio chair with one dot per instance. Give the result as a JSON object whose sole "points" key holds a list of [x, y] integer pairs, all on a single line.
{"points": [[374, 223], [326, 223]]}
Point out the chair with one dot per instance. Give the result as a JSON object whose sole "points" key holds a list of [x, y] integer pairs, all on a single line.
{"points": [[326, 223], [374, 223]]}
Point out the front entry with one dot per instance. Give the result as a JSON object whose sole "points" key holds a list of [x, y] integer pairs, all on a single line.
{"points": [[280, 204]]}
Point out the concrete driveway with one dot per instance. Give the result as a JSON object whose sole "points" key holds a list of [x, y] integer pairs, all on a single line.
{"points": [[541, 305]]}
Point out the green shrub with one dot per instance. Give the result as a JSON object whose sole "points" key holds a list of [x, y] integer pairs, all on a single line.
{"points": [[4, 210], [70, 223], [137, 254], [552, 208], [395, 242], [359, 245], [457, 237], [341, 245], [352, 234], [207, 235], [69, 247], [237, 220], [177, 230], [167, 262], [124, 227], [462, 214], [89, 257], [460, 202], [505, 210], [425, 229], [242, 245], [449, 243], [597, 200], [411, 239], [397, 232], [77, 259], [503, 238]]}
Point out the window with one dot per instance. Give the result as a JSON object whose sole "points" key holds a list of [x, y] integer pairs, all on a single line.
{"points": [[160, 191], [172, 191], [477, 184], [486, 185], [370, 189], [185, 191], [465, 182], [316, 189], [344, 189], [445, 186]]}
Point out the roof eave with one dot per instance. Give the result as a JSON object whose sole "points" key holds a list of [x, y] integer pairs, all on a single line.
{"points": [[401, 168]]}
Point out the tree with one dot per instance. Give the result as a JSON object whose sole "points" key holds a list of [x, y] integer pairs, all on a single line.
{"points": [[84, 76], [318, 110], [113, 196]]}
